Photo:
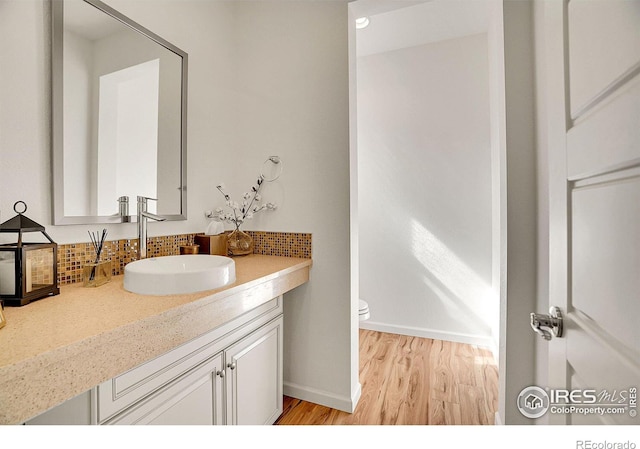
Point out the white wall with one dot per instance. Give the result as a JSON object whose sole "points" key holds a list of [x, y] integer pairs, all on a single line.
{"points": [[425, 190], [24, 110], [263, 80], [291, 99]]}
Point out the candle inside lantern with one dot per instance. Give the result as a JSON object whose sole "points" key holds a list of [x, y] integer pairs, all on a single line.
{"points": [[7, 277]]}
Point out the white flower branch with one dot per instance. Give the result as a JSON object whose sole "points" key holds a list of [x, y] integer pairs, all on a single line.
{"points": [[238, 213]]}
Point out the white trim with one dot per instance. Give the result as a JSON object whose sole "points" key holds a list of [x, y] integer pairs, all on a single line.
{"points": [[355, 396], [322, 397], [494, 347], [498, 420], [484, 341]]}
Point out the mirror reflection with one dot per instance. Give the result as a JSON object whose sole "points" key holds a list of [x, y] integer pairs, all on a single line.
{"points": [[119, 105]]}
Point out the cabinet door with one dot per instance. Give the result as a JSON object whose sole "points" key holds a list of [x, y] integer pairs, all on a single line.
{"points": [[254, 376], [195, 398]]}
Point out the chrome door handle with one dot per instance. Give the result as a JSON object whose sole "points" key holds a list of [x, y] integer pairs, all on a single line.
{"points": [[220, 373], [231, 365], [552, 323]]}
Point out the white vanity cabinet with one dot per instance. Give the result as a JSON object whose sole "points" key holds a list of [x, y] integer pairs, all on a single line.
{"points": [[240, 385], [230, 375]]}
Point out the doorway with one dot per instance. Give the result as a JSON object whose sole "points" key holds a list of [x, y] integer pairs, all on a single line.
{"points": [[425, 171], [510, 65]]}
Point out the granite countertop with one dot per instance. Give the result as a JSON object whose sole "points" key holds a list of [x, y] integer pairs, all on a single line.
{"points": [[58, 347]]}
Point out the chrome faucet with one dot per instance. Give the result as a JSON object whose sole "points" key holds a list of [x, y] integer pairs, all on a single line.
{"points": [[143, 215], [123, 209]]}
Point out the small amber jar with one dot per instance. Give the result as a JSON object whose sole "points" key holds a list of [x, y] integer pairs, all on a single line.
{"points": [[190, 249]]}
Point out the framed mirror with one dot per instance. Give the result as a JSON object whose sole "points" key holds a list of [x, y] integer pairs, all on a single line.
{"points": [[119, 97]]}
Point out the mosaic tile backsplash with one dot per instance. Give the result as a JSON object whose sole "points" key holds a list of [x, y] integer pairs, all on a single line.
{"points": [[287, 244], [73, 256]]}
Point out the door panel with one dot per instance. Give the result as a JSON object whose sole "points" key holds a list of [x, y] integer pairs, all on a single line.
{"points": [[189, 409], [608, 136], [593, 87], [598, 361], [584, 419], [606, 248], [604, 43]]}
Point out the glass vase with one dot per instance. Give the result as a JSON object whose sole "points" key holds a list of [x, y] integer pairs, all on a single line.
{"points": [[239, 243], [96, 274]]}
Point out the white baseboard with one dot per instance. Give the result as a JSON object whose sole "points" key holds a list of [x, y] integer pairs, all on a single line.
{"points": [[355, 396], [484, 341], [321, 397], [498, 420]]}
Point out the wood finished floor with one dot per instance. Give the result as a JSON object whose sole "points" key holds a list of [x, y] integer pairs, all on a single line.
{"points": [[410, 380]]}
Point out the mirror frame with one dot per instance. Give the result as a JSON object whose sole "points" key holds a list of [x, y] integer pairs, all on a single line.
{"points": [[57, 122]]}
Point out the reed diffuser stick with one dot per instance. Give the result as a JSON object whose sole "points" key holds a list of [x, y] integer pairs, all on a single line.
{"points": [[98, 243]]}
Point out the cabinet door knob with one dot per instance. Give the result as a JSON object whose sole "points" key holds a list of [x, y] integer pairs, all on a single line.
{"points": [[220, 373], [231, 365]]}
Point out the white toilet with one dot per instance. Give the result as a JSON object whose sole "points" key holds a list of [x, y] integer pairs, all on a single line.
{"points": [[363, 310]]}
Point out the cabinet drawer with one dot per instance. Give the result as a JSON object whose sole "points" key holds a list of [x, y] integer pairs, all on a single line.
{"points": [[130, 387]]}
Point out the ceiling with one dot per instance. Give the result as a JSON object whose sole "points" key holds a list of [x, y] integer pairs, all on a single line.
{"points": [[368, 8], [396, 24]]}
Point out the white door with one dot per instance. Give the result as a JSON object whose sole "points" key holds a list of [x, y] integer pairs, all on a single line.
{"points": [[593, 101]]}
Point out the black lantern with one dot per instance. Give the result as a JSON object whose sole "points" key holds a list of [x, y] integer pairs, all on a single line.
{"points": [[28, 271]]}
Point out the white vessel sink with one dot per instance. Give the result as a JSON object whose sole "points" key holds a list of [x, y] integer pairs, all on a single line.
{"points": [[173, 275]]}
